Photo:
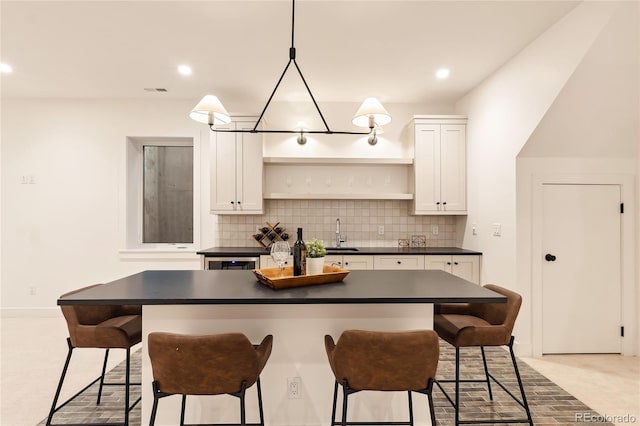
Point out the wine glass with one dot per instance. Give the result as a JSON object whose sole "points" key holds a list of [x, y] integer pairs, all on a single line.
{"points": [[280, 251]]}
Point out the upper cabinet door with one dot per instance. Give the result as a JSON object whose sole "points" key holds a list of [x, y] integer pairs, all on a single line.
{"points": [[223, 172], [453, 167], [236, 171], [249, 176], [440, 166], [427, 167]]}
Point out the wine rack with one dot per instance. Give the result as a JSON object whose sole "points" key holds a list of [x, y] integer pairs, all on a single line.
{"points": [[269, 233]]}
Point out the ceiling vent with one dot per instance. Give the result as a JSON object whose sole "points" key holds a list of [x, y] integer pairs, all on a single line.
{"points": [[155, 89]]}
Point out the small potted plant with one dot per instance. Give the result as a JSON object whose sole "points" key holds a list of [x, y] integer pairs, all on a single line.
{"points": [[315, 257]]}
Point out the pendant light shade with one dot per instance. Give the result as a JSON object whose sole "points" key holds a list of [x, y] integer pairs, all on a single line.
{"points": [[210, 111], [370, 114]]}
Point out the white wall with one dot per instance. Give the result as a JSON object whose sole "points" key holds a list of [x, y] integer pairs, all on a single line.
{"points": [[66, 230], [589, 135], [502, 113]]}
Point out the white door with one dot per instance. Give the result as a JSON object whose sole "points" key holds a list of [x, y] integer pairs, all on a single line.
{"points": [[581, 281]]}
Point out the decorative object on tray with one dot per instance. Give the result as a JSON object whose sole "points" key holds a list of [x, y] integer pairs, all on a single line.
{"points": [[403, 242], [315, 257], [269, 234], [418, 241], [271, 277]]}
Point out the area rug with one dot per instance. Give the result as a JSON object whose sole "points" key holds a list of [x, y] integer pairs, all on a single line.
{"points": [[549, 404]]}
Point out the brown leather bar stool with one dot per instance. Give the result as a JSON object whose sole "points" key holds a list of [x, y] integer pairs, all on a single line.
{"points": [[480, 325], [106, 327], [383, 361], [206, 365]]}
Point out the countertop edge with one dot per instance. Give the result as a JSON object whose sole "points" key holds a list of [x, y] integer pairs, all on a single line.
{"points": [[362, 251]]}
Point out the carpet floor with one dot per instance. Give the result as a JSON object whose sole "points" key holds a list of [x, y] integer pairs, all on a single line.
{"points": [[549, 404]]}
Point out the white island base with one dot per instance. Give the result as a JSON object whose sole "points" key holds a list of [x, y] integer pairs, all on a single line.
{"points": [[298, 352]]}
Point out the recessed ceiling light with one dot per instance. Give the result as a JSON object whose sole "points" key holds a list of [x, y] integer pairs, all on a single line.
{"points": [[442, 73], [184, 69], [6, 68]]}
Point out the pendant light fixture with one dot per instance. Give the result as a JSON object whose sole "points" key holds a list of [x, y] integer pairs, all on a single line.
{"points": [[370, 115]]}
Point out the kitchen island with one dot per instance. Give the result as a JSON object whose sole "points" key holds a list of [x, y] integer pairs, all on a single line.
{"points": [[201, 302]]}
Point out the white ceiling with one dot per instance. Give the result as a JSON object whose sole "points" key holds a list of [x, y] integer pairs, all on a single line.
{"points": [[347, 50]]}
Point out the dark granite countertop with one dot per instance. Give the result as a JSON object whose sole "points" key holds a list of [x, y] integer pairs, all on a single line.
{"points": [[370, 251], [241, 287]]}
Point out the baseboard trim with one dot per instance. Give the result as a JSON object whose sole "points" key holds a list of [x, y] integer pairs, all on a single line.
{"points": [[29, 312]]}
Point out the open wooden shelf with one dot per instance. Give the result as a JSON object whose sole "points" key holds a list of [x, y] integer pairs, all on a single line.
{"points": [[335, 160], [334, 196]]}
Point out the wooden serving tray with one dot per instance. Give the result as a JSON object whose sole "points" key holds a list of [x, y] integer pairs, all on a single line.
{"points": [[271, 277]]}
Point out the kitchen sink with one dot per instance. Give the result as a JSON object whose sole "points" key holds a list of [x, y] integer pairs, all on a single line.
{"points": [[342, 249]]}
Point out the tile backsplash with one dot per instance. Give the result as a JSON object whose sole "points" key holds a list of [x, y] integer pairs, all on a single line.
{"points": [[359, 222]]}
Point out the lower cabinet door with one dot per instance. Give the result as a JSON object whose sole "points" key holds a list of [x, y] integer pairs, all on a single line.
{"points": [[357, 262]]}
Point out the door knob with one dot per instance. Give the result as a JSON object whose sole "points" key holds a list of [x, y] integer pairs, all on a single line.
{"points": [[549, 257]]}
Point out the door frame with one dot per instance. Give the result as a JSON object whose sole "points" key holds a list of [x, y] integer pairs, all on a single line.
{"points": [[629, 292]]}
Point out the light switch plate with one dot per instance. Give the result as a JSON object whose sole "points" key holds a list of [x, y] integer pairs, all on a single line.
{"points": [[497, 230]]}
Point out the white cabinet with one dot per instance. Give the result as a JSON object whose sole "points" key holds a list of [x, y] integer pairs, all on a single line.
{"points": [[467, 266], [236, 170], [350, 262], [266, 261], [440, 165], [398, 262]]}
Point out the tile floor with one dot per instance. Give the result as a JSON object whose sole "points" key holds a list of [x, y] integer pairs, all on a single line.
{"points": [[609, 384]]}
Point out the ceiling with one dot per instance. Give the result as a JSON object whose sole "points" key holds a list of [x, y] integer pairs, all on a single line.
{"points": [[347, 50]]}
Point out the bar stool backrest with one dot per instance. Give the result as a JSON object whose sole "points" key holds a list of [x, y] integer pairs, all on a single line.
{"points": [[500, 313], [202, 364], [81, 318], [385, 361]]}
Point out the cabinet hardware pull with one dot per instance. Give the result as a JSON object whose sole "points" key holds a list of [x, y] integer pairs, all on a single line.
{"points": [[232, 202], [239, 202], [437, 203], [346, 263], [448, 263], [444, 203], [455, 263], [399, 262]]}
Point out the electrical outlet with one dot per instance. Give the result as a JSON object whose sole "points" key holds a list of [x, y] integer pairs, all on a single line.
{"points": [[380, 229], [294, 390], [497, 230], [435, 229]]}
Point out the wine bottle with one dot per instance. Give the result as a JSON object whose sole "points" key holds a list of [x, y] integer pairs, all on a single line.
{"points": [[299, 256]]}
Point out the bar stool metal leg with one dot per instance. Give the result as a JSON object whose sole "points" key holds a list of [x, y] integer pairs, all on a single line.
{"points": [[260, 401], [104, 370], [524, 403], [486, 373], [183, 406], [127, 388], [457, 405], [345, 395], [64, 373], [335, 402], [410, 409]]}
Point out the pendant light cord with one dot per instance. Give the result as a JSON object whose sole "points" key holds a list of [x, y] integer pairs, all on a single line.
{"points": [[292, 58]]}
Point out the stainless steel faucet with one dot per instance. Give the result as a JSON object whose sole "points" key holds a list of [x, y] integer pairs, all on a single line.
{"points": [[339, 239]]}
